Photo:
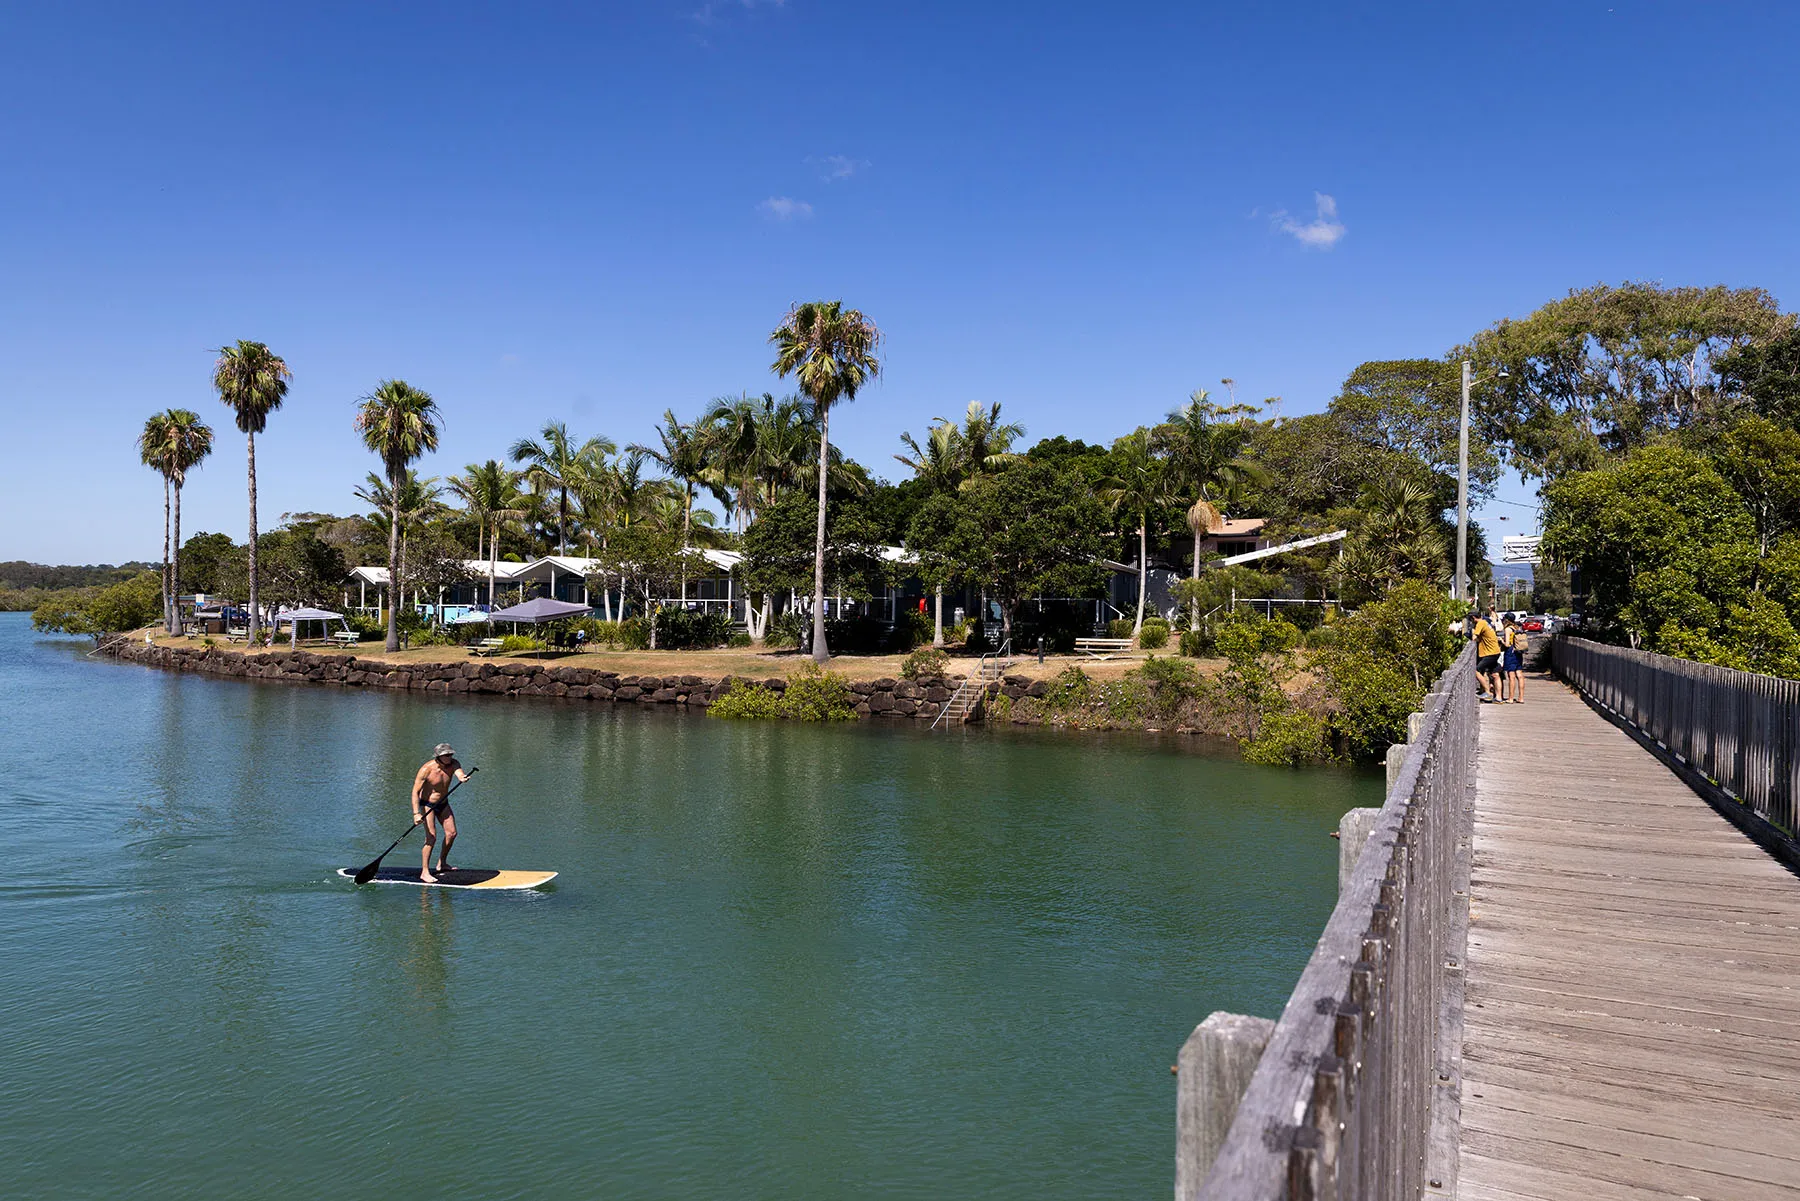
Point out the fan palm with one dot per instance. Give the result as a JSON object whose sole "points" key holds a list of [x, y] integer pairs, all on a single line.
{"points": [[1138, 488], [253, 381], [399, 423], [189, 442], [830, 350], [153, 451], [554, 463]]}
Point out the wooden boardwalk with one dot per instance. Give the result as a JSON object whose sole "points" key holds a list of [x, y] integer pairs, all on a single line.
{"points": [[1632, 1008]]}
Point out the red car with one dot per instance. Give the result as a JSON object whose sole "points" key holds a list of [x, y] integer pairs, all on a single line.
{"points": [[1532, 625]]}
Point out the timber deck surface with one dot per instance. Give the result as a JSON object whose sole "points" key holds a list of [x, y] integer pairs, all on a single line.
{"points": [[1632, 1008]]}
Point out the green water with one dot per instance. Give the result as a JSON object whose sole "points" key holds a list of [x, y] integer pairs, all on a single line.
{"points": [[780, 962]]}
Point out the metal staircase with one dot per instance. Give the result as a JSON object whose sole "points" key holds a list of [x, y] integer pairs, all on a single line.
{"points": [[968, 694]]}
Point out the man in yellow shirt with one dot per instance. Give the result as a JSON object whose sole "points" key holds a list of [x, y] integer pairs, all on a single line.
{"points": [[1487, 657]]}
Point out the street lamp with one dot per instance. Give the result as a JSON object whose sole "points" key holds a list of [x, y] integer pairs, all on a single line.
{"points": [[1460, 586]]}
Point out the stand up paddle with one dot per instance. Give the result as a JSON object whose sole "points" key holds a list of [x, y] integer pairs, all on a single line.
{"points": [[368, 873]]}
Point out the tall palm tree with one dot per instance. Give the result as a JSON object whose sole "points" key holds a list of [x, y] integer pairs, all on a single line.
{"points": [[1138, 488], [190, 441], [153, 451], [253, 381], [985, 442], [553, 464], [1204, 461], [398, 422], [830, 350], [685, 455], [939, 462], [490, 492]]}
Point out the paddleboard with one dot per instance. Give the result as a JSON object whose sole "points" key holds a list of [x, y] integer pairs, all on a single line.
{"points": [[461, 877]]}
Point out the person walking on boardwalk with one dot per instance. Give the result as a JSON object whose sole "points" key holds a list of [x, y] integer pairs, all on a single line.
{"points": [[1512, 660], [431, 805], [1487, 657]]}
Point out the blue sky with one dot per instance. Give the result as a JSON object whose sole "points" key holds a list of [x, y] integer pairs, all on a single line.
{"points": [[595, 212]]}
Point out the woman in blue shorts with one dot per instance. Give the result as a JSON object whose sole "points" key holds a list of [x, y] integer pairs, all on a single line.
{"points": [[1512, 662]]}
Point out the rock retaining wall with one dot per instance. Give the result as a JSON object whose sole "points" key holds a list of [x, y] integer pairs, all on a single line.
{"points": [[887, 697]]}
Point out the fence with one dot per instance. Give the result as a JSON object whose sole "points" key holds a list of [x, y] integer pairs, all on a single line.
{"points": [[1343, 1101], [1738, 730]]}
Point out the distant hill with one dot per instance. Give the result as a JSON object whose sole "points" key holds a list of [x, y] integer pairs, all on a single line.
{"points": [[18, 575]]}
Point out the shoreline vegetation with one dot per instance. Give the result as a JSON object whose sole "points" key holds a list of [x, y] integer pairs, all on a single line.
{"points": [[1283, 703], [1294, 568]]}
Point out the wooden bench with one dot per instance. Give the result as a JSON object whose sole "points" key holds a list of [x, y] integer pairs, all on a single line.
{"points": [[1102, 648], [346, 637], [487, 646]]}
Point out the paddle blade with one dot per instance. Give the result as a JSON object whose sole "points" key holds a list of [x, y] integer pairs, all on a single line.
{"points": [[368, 873]]}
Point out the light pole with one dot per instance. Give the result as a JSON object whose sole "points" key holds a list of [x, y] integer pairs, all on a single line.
{"points": [[1460, 586]]}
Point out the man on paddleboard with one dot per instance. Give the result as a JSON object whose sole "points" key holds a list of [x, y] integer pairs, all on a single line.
{"points": [[431, 805]]}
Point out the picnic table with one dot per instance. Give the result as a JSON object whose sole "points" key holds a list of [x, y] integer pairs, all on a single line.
{"points": [[346, 637], [1102, 648], [487, 646]]}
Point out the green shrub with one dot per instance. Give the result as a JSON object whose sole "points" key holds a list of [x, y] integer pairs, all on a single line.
{"points": [[1119, 627], [1154, 635], [1073, 688], [924, 663], [816, 695], [518, 644], [785, 629], [1126, 701], [634, 634], [958, 632], [1319, 637], [115, 609], [1289, 737], [998, 707], [683, 629], [747, 699], [1383, 660], [1196, 644], [738, 640]]}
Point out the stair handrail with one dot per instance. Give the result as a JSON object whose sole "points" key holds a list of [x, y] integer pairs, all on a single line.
{"points": [[979, 679]]}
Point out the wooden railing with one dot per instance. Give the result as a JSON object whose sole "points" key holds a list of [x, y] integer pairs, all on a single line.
{"points": [[1356, 1093], [1732, 735]]}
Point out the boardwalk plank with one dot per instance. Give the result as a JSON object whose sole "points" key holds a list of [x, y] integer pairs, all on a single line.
{"points": [[1632, 1026]]}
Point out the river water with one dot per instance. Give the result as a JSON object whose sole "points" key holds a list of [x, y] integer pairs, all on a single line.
{"points": [[779, 961]]}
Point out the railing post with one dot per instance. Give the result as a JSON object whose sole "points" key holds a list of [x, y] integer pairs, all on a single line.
{"points": [[1212, 1073]]}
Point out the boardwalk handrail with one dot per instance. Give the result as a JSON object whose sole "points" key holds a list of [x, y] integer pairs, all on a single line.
{"points": [[1737, 729], [1341, 1104]]}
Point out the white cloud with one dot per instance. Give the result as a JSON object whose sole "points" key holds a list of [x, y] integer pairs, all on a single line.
{"points": [[785, 208], [837, 166], [1321, 233]]}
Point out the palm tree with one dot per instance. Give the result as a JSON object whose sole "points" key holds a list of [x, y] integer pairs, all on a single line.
{"points": [[985, 443], [684, 455], [1140, 487], [1204, 461], [554, 463], [831, 352], [190, 441], [399, 423], [490, 492], [153, 451], [416, 502], [940, 463], [253, 380]]}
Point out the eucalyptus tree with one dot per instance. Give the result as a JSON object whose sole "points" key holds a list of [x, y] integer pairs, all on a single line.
{"points": [[1206, 462], [1138, 487], [831, 351], [253, 381], [490, 493], [554, 461], [399, 423]]}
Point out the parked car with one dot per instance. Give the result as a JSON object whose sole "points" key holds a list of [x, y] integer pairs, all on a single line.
{"points": [[1533, 624]]}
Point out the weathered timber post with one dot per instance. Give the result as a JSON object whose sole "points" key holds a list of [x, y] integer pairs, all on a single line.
{"points": [[1215, 1067], [1353, 832]]}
